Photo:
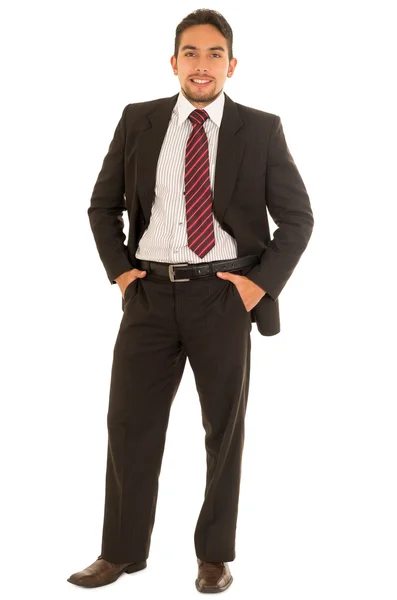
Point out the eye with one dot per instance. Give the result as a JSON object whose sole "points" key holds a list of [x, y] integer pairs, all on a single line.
{"points": [[212, 55]]}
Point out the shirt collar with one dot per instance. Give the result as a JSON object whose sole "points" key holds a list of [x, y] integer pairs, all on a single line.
{"points": [[215, 110]]}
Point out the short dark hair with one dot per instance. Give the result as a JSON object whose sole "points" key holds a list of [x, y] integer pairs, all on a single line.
{"points": [[205, 16]]}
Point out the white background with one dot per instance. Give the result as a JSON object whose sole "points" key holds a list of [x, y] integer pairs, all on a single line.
{"points": [[317, 512]]}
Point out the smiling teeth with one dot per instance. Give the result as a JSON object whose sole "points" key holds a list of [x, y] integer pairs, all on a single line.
{"points": [[201, 80]]}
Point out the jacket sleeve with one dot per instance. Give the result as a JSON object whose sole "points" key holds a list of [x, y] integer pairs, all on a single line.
{"points": [[289, 206], [107, 205]]}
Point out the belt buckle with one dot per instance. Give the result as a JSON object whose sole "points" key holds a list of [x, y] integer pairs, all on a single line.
{"points": [[172, 273]]}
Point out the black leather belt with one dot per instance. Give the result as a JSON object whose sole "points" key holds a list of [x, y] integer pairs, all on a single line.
{"points": [[188, 271]]}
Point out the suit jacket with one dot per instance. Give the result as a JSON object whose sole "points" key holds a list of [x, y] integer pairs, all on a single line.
{"points": [[254, 170]]}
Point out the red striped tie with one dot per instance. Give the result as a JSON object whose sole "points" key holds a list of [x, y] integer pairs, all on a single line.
{"points": [[198, 197]]}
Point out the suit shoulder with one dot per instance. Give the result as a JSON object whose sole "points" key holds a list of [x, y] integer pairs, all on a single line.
{"points": [[145, 106], [135, 111], [249, 112]]}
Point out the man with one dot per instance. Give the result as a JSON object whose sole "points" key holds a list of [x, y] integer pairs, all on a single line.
{"points": [[195, 171]]}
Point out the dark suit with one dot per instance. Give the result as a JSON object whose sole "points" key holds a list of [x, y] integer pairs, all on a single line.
{"points": [[204, 319], [254, 169]]}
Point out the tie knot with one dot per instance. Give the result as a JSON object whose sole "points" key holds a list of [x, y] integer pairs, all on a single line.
{"points": [[198, 116]]}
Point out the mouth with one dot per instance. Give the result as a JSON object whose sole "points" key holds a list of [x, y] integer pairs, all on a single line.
{"points": [[201, 84]]}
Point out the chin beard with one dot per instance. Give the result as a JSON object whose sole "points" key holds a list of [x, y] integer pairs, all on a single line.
{"points": [[198, 96]]}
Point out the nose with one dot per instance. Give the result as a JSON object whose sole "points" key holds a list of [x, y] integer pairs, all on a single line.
{"points": [[201, 69]]}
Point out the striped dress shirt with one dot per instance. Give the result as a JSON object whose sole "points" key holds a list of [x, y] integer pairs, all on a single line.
{"points": [[165, 239]]}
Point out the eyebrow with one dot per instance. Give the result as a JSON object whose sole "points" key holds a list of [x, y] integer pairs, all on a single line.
{"points": [[195, 48]]}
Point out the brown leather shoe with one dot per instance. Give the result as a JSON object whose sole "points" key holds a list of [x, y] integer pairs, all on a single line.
{"points": [[213, 577], [102, 572]]}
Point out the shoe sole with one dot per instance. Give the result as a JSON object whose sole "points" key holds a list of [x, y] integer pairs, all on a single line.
{"points": [[214, 590], [132, 568]]}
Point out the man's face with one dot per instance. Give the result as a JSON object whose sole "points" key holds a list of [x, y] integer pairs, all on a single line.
{"points": [[202, 54]]}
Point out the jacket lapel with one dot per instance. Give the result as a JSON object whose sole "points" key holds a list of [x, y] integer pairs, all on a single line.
{"points": [[228, 159]]}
